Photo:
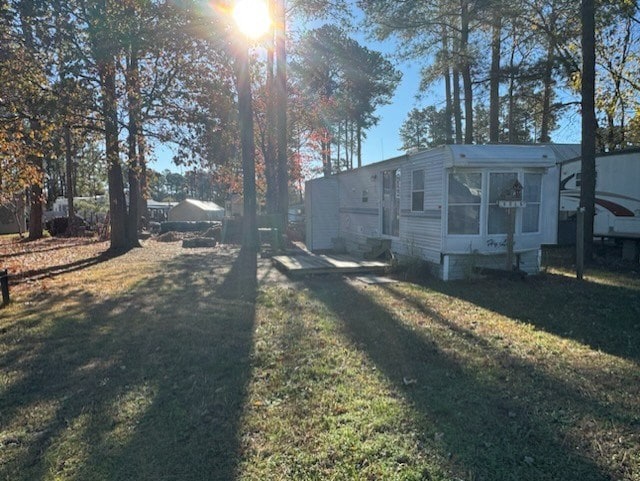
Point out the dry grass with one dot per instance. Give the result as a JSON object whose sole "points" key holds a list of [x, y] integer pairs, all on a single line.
{"points": [[205, 365]]}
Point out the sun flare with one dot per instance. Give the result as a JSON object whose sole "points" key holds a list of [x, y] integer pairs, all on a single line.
{"points": [[252, 17]]}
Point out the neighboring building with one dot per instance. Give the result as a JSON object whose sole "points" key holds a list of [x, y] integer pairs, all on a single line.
{"points": [[92, 209], [234, 205], [296, 213], [60, 207], [196, 210], [159, 211], [446, 206]]}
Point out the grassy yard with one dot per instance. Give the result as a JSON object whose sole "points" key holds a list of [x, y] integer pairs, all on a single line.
{"points": [[203, 364]]}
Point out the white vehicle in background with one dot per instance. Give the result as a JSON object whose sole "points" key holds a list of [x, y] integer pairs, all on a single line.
{"points": [[617, 198]]}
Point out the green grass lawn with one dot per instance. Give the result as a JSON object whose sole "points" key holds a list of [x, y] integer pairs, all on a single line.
{"points": [[168, 364]]}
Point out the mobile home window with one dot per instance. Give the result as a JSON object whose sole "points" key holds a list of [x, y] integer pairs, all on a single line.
{"points": [[498, 221], [465, 195], [417, 190], [531, 194], [391, 202]]}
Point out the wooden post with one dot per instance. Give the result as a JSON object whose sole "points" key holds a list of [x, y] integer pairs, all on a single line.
{"points": [[580, 243], [4, 283], [511, 216]]}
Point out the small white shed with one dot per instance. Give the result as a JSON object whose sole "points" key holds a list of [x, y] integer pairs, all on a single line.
{"points": [[443, 206], [196, 210]]}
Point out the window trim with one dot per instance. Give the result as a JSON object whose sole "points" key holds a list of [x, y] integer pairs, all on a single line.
{"points": [[538, 203], [415, 190], [479, 204], [489, 204]]}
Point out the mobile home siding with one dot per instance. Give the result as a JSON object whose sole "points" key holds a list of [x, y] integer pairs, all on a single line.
{"points": [[321, 207], [421, 231], [362, 195], [359, 208], [462, 266]]}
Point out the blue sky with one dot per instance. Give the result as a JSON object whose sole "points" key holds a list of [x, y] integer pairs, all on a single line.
{"points": [[383, 140]]}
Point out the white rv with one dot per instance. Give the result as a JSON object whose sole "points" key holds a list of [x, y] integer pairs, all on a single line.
{"points": [[617, 201], [444, 206]]}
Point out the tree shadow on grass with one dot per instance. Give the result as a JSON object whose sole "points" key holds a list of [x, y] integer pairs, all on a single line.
{"points": [[149, 385], [46, 248], [57, 270], [491, 428], [604, 317]]}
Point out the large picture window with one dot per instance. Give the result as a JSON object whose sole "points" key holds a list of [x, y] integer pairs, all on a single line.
{"points": [[465, 195], [498, 222], [417, 190], [531, 195]]}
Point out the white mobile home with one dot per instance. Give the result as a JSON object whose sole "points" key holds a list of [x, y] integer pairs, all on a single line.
{"points": [[447, 206], [617, 195]]}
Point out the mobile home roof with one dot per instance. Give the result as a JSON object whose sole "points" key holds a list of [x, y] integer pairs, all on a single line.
{"points": [[496, 154]]}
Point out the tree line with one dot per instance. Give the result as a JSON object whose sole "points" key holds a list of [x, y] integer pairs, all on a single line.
{"points": [[87, 88], [511, 70]]}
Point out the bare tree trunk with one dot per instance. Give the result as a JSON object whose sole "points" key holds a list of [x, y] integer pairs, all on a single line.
{"points": [[589, 124], [494, 84], [35, 191], [133, 100], [144, 189], [511, 98], [447, 86], [457, 111], [359, 144], [325, 146], [465, 70], [117, 204], [338, 146], [271, 158], [35, 201], [281, 116], [547, 79], [245, 110], [68, 149]]}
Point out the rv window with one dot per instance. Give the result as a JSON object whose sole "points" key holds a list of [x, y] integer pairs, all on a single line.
{"points": [[465, 195], [497, 221], [531, 195], [365, 196], [417, 190]]}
